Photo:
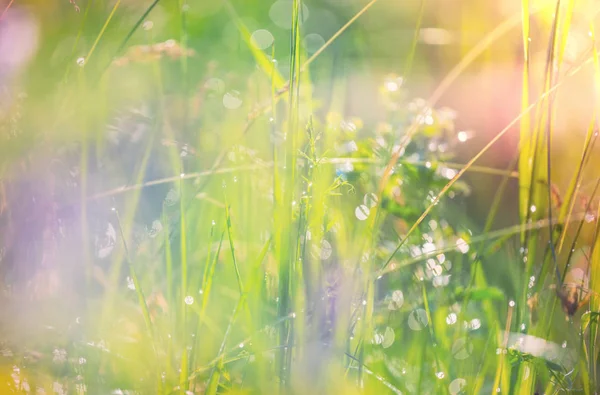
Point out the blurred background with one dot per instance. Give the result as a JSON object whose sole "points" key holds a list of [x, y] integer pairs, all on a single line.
{"points": [[98, 97]]}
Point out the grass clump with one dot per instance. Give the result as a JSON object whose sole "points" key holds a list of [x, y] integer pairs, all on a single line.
{"points": [[180, 218]]}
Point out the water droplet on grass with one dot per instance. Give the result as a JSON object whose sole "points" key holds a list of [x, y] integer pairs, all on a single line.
{"points": [[232, 100], [378, 338], [189, 300], [589, 217], [462, 245], [388, 337], [397, 300], [262, 39], [362, 212], [155, 229], [81, 61], [313, 42], [456, 386], [464, 136], [106, 244], [370, 200], [451, 319], [417, 320], [462, 349], [475, 324], [172, 197], [130, 283], [148, 25]]}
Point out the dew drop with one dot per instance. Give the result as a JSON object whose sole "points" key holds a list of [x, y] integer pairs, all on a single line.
{"points": [[326, 249], [388, 337], [589, 217], [397, 300], [462, 349], [281, 14], [456, 386], [81, 61], [464, 136], [378, 338], [172, 197], [262, 39], [462, 245], [232, 100], [313, 42], [148, 25], [214, 86], [362, 212], [155, 229], [189, 300], [451, 319], [370, 200], [106, 243], [417, 320], [440, 375]]}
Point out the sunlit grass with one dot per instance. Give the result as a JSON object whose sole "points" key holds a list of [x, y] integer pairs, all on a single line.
{"points": [[218, 229]]}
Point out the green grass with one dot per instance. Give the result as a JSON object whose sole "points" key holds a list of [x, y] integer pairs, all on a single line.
{"points": [[195, 216]]}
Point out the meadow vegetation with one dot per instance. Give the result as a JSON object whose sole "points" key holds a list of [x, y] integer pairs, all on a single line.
{"points": [[200, 198]]}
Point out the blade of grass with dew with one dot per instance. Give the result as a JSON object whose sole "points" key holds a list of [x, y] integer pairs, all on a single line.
{"points": [[232, 248], [135, 27], [413, 47], [557, 50], [215, 376], [581, 221], [256, 298], [169, 287], [595, 254], [182, 324], [285, 245], [95, 44], [525, 146], [130, 209], [206, 287], [141, 299], [477, 278], [594, 281], [569, 199], [502, 376]]}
